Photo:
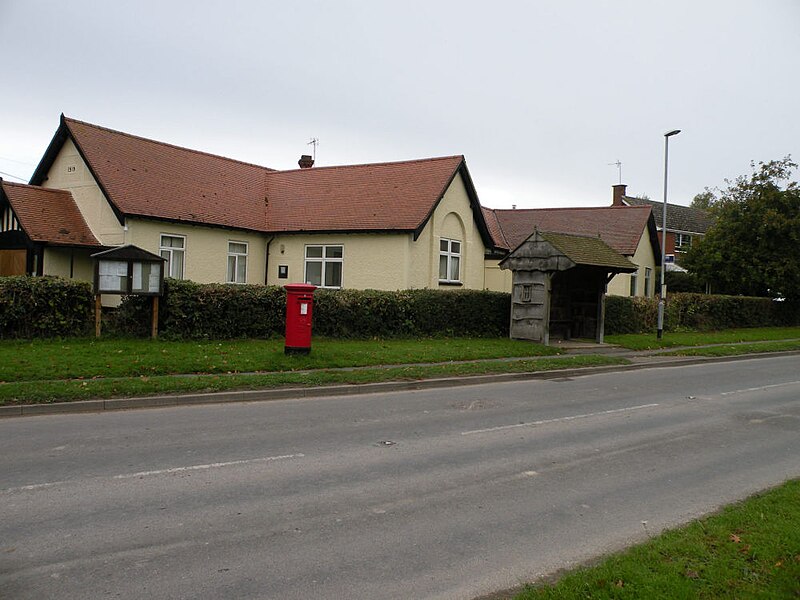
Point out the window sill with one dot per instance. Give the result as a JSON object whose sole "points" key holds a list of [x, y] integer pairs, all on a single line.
{"points": [[450, 283]]}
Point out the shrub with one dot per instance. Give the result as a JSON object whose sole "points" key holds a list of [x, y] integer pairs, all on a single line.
{"points": [[678, 282], [706, 312], [43, 307], [630, 315], [699, 312], [210, 311], [192, 310], [407, 313]]}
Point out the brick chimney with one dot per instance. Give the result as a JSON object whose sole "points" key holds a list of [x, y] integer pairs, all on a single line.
{"points": [[305, 162], [619, 194]]}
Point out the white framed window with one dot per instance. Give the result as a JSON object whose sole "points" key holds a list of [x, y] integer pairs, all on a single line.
{"points": [[323, 265], [683, 241], [648, 278], [449, 261], [237, 262], [634, 282], [9, 221], [173, 248]]}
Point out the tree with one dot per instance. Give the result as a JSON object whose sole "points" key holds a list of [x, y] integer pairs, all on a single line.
{"points": [[704, 200], [753, 248]]}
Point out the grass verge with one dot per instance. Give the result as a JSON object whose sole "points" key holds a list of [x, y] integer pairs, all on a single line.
{"points": [[648, 341], [734, 350], [87, 358], [31, 392], [748, 550]]}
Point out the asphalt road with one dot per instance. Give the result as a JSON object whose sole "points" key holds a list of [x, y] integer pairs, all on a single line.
{"points": [[449, 493]]}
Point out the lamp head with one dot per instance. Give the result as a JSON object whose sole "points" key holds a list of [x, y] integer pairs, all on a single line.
{"points": [[673, 132]]}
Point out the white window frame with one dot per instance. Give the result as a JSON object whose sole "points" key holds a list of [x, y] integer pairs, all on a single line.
{"points": [[634, 283], [683, 241], [449, 255], [232, 277], [648, 279], [324, 260], [170, 250]]}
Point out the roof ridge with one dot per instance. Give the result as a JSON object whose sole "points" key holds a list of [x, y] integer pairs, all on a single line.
{"points": [[376, 164], [36, 187], [167, 144], [564, 208], [580, 235]]}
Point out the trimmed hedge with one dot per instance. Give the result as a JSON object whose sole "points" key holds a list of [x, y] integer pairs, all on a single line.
{"points": [[45, 307], [214, 311], [41, 307], [209, 311], [699, 312], [630, 315]]}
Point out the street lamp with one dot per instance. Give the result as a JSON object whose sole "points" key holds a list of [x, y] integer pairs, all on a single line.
{"points": [[662, 293]]}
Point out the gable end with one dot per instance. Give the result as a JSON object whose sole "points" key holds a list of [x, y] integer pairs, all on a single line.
{"points": [[56, 144]]}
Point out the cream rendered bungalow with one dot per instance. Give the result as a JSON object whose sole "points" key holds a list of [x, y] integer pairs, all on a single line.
{"points": [[388, 226], [412, 224]]}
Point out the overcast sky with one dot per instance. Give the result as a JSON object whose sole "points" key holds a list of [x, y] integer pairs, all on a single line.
{"points": [[539, 96]]}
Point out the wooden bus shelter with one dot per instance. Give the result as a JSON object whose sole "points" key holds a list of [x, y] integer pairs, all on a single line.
{"points": [[559, 283]]}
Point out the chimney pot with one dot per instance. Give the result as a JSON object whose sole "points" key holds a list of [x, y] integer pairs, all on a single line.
{"points": [[619, 194], [305, 162]]}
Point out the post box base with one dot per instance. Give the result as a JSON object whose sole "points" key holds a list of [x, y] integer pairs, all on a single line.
{"points": [[296, 350]]}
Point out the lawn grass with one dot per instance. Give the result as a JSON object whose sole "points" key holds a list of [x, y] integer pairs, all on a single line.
{"points": [[30, 392], [648, 341], [736, 349], [748, 550], [41, 360]]}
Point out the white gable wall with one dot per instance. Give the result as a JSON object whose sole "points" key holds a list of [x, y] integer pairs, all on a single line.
{"points": [[452, 219], [70, 172]]}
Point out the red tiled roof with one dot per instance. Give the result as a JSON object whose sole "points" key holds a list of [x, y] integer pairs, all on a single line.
{"points": [[49, 216], [490, 216], [381, 196], [146, 178], [621, 227]]}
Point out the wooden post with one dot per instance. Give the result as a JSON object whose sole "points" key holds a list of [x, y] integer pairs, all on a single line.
{"points": [[601, 316], [154, 327], [97, 315]]}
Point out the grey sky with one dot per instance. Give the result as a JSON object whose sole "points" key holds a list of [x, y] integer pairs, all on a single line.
{"points": [[539, 96]]}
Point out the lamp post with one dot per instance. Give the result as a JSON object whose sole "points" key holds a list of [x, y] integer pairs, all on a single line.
{"points": [[662, 293]]}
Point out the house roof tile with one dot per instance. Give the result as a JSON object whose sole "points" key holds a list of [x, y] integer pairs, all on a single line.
{"points": [[621, 227], [381, 196], [49, 216], [679, 218], [147, 178], [143, 177]]}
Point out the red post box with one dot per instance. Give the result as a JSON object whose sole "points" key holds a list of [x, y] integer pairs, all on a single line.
{"points": [[299, 310]]}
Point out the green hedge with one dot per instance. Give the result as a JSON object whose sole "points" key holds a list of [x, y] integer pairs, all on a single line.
{"points": [[43, 307], [35, 307], [700, 312], [213, 311], [209, 311]]}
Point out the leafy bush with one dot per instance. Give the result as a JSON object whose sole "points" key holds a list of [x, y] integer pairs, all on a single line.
{"points": [[699, 312], [705, 312], [209, 311], [192, 310], [408, 313], [43, 307], [630, 315], [678, 282]]}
